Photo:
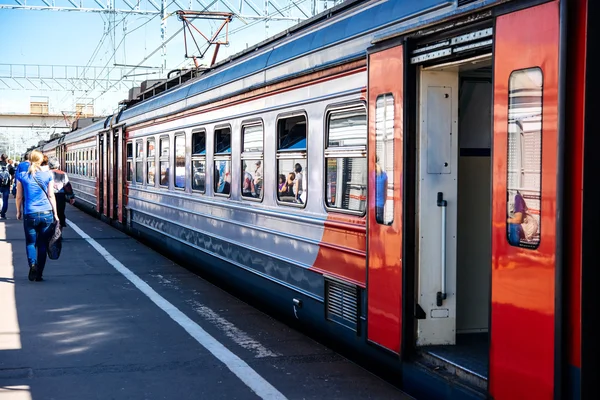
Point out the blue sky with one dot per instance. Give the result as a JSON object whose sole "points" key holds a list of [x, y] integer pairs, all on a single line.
{"points": [[69, 38]]}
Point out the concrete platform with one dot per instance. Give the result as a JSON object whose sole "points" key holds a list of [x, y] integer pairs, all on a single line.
{"points": [[89, 332]]}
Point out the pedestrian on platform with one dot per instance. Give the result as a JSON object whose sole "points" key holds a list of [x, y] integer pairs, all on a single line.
{"points": [[23, 166], [63, 191], [35, 194], [7, 172]]}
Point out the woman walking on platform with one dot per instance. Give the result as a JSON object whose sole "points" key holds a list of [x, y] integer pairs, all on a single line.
{"points": [[35, 195]]}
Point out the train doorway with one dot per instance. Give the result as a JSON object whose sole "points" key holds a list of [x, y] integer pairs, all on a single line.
{"points": [[454, 212]]}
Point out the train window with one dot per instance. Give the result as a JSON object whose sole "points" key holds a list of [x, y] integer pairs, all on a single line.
{"points": [[151, 161], [198, 160], [164, 161], [180, 161], [346, 160], [129, 161], [252, 155], [292, 173], [222, 177], [139, 170], [524, 170], [384, 159]]}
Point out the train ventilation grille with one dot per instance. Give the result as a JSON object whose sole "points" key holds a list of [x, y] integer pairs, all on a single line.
{"points": [[341, 303], [465, 2]]}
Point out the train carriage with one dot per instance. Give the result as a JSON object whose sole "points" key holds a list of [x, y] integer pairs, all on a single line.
{"points": [[405, 177]]}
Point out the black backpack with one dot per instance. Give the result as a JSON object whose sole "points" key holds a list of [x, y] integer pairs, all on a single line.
{"points": [[4, 176]]}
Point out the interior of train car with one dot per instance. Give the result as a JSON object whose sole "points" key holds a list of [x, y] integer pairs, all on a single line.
{"points": [[454, 167]]}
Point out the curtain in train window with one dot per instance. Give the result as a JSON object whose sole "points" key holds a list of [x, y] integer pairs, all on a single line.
{"points": [[150, 162], [252, 159], [180, 161], [139, 170], [292, 172], [222, 178], [198, 160], [524, 179], [384, 159], [346, 160], [164, 161]]}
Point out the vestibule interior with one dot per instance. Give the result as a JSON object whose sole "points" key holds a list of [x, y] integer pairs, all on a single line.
{"points": [[456, 100]]}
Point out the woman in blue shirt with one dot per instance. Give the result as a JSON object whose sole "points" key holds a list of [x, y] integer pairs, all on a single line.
{"points": [[35, 197]]}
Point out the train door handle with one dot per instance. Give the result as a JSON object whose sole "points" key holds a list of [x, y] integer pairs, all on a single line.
{"points": [[441, 296]]}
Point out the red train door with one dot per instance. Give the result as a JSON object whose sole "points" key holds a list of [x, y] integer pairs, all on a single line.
{"points": [[385, 97], [524, 204], [101, 175]]}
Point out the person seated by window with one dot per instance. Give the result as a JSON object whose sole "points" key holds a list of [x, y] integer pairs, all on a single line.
{"points": [[223, 181], [248, 188], [257, 183], [282, 187], [515, 230], [164, 178], [287, 194]]}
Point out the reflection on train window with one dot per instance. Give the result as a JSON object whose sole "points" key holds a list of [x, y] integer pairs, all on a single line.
{"points": [[129, 161], [198, 160], [180, 161], [151, 162], [164, 161], [139, 171], [384, 159], [524, 181], [222, 178], [346, 162], [252, 155], [292, 173]]}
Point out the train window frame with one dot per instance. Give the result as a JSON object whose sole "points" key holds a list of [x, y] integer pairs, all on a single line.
{"points": [[201, 156], [252, 156], [520, 149], [129, 161], [335, 152], [175, 137], [150, 159], [139, 159], [164, 158], [222, 156], [286, 154], [385, 142]]}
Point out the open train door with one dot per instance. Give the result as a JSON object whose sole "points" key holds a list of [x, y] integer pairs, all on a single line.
{"points": [[525, 205], [384, 243], [115, 172]]}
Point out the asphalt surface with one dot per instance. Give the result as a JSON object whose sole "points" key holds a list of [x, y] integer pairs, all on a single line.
{"points": [[87, 332]]}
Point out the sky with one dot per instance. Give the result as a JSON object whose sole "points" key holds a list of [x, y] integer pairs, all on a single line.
{"points": [[71, 38]]}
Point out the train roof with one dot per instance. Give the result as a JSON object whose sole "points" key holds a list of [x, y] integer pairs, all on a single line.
{"points": [[346, 21]]}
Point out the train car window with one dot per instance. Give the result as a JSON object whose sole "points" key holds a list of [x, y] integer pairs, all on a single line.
{"points": [[222, 178], [252, 158], [198, 160], [292, 173], [150, 162], [164, 161], [346, 160], [180, 161], [384, 159], [524, 180], [129, 161], [139, 170]]}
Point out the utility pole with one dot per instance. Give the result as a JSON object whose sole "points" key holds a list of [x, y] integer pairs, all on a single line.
{"points": [[163, 34]]}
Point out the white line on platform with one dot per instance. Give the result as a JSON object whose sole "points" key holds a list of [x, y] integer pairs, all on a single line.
{"points": [[235, 364]]}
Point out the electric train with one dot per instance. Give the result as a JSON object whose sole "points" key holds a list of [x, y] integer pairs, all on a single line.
{"points": [[406, 177]]}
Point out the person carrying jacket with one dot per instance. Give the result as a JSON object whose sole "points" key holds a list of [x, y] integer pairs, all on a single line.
{"points": [[7, 173]]}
